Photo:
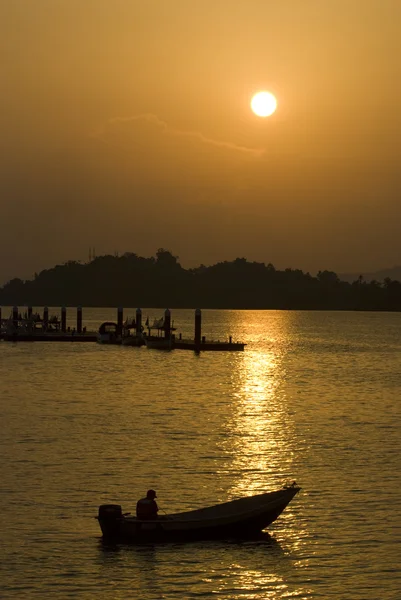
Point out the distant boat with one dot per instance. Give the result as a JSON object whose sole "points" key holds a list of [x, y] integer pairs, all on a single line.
{"points": [[238, 518], [108, 333], [160, 341], [132, 337]]}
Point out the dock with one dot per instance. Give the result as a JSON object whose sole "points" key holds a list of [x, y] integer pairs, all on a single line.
{"points": [[208, 346], [33, 327], [38, 336], [166, 340]]}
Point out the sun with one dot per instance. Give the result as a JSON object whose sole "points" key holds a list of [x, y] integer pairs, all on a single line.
{"points": [[263, 104]]}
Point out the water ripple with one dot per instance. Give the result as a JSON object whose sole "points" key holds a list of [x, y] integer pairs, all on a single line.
{"points": [[314, 397]]}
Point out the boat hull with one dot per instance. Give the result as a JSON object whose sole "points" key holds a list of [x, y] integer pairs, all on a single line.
{"points": [[237, 519], [158, 343]]}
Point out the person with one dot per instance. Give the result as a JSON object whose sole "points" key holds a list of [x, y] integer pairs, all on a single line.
{"points": [[146, 508]]}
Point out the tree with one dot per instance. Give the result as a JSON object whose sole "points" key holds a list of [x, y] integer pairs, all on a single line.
{"points": [[328, 278], [165, 258]]}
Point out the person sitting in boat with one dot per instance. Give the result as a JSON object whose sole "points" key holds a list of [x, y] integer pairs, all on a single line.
{"points": [[146, 508]]}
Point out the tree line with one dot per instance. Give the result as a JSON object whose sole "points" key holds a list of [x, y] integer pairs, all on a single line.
{"points": [[131, 280]]}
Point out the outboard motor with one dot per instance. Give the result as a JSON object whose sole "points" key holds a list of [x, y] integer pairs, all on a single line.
{"points": [[109, 517], [110, 512]]}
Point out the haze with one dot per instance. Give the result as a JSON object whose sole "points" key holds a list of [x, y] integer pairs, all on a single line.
{"points": [[126, 126]]}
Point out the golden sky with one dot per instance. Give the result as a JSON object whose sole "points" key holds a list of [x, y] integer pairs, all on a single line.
{"points": [[126, 126]]}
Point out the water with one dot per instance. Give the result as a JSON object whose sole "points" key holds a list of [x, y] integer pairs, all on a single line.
{"points": [[315, 397]]}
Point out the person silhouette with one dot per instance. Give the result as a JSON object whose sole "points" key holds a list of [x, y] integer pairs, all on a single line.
{"points": [[146, 508]]}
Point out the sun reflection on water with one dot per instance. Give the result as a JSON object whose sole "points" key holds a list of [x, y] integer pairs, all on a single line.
{"points": [[260, 446], [260, 428]]}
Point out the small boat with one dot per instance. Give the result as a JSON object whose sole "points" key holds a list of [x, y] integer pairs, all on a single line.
{"points": [[238, 518], [131, 336], [108, 333], [164, 340]]}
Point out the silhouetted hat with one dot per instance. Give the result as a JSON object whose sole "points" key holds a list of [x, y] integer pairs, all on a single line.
{"points": [[151, 494]]}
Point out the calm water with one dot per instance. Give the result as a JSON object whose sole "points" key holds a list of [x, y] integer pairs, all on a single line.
{"points": [[315, 397]]}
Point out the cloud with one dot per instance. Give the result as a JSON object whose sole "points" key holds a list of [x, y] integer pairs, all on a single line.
{"points": [[167, 129]]}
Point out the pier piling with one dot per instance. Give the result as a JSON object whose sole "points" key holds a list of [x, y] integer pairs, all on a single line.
{"points": [[15, 318], [79, 319], [120, 316], [63, 319], [198, 329], [138, 322], [167, 324], [45, 318]]}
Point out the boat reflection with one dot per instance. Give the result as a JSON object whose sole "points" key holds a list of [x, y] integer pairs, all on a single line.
{"points": [[258, 568]]}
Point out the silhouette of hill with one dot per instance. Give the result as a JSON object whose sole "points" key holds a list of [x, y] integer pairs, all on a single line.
{"points": [[160, 281]]}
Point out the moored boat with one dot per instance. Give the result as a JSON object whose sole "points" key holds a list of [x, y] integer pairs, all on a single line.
{"points": [[108, 333], [133, 332], [238, 518], [164, 340]]}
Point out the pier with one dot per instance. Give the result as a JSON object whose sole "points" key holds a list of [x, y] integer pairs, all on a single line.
{"points": [[33, 327], [199, 343], [167, 340]]}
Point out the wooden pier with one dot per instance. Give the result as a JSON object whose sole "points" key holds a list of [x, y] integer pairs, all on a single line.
{"points": [[32, 327], [169, 341], [38, 336], [208, 346]]}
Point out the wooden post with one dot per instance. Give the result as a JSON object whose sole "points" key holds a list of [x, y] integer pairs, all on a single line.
{"points": [[138, 322], [45, 317], [15, 318], [198, 328], [79, 319], [120, 316], [63, 319], [167, 324]]}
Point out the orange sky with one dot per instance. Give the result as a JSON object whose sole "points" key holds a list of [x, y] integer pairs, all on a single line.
{"points": [[126, 126]]}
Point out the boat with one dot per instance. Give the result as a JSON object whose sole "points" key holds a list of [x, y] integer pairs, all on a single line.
{"points": [[164, 340], [131, 336], [108, 333], [235, 519]]}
